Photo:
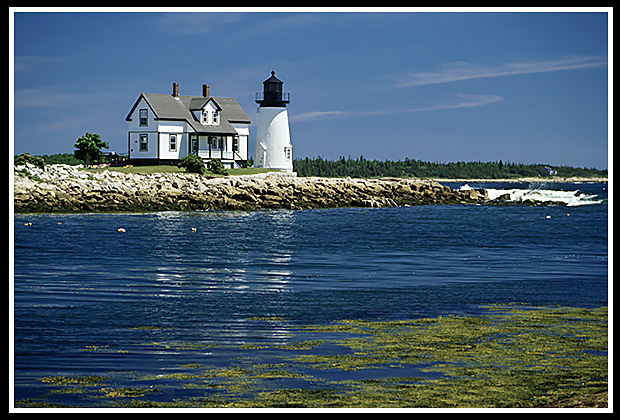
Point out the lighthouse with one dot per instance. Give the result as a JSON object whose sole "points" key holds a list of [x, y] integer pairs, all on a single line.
{"points": [[273, 139]]}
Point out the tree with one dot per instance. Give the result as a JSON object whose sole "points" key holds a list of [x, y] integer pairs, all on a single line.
{"points": [[89, 147], [362, 167]]}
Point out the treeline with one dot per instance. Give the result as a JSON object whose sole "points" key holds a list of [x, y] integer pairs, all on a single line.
{"points": [[364, 168], [66, 159], [58, 158]]}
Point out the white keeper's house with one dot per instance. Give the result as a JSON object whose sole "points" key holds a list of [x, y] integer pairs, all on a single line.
{"points": [[164, 128]]}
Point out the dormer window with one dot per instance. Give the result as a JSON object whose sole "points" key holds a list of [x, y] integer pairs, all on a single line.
{"points": [[209, 114]]}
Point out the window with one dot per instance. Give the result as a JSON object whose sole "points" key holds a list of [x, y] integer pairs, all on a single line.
{"points": [[144, 117], [205, 117], [173, 142], [288, 153], [236, 143], [215, 117], [217, 142], [144, 142], [194, 142]]}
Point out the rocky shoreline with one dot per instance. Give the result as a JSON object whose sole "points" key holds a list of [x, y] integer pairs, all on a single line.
{"points": [[67, 189]]}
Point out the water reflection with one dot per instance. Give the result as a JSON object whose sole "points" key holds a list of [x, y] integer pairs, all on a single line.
{"points": [[221, 270], [247, 252], [277, 232]]}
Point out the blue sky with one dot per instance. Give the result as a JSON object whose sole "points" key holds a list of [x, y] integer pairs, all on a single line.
{"points": [[529, 87]]}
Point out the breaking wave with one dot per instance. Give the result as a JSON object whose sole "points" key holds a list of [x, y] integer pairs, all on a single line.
{"points": [[533, 192]]}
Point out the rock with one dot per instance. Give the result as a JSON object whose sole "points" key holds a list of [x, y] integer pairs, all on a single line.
{"points": [[471, 194], [503, 197], [68, 189], [378, 202]]}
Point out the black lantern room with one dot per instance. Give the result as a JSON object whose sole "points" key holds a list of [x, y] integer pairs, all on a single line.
{"points": [[272, 95]]}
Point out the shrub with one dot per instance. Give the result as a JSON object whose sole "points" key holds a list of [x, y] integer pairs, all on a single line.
{"points": [[25, 158], [193, 164], [217, 167]]}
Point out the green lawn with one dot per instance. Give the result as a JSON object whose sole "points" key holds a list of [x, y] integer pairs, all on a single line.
{"points": [[173, 169]]}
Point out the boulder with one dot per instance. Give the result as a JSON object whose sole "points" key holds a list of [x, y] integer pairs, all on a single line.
{"points": [[67, 188]]}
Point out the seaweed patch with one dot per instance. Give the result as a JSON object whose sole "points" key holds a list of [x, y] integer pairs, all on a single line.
{"points": [[512, 355]]}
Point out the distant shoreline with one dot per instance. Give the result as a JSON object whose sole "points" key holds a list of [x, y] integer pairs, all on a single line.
{"points": [[559, 180]]}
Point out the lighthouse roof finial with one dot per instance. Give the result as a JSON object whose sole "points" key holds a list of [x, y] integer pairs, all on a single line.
{"points": [[273, 78]]}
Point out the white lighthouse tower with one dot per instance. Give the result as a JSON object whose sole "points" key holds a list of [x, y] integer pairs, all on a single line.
{"points": [[273, 139]]}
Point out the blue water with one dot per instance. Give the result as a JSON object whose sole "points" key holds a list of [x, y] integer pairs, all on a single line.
{"points": [[81, 285]]}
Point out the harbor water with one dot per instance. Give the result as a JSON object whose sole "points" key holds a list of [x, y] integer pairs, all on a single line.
{"points": [[119, 294]]}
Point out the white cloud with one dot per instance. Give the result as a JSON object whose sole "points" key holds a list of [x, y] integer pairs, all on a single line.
{"points": [[468, 101], [30, 62], [249, 21], [48, 97], [315, 115], [196, 22], [465, 101], [453, 72]]}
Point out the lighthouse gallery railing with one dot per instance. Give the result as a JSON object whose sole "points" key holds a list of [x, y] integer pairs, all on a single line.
{"points": [[260, 96]]}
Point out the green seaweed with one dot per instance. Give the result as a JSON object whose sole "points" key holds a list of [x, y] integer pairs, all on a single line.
{"points": [[73, 380], [513, 355]]}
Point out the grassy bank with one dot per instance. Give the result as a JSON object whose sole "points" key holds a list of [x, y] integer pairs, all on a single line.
{"points": [[511, 356], [250, 171], [153, 169]]}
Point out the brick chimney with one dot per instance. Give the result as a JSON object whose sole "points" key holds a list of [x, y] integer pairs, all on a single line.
{"points": [[175, 90], [205, 91]]}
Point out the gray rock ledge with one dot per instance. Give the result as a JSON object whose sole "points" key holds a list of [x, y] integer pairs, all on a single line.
{"points": [[68, 189]]}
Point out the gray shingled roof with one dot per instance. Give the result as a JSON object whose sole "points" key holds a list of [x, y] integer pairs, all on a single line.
{"points": [[166, 107]]}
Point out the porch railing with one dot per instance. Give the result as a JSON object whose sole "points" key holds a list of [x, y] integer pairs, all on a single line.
{"points": [[216, 154]]}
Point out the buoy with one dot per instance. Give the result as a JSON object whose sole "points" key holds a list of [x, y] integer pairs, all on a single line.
{"points": [[121, 230], [60, 223], [193, 229], [567, 214], [548, 216], [28, 224]]}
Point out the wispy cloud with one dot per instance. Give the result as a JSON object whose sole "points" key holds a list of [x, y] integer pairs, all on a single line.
{"points": [[208, 21], [453, 72], [194, 23], [464, 101], [33, 62], [317, 115], [48, 97], [59, 97]]}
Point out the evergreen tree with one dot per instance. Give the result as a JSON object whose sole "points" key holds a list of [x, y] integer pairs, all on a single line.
{"points": [[362, 167]]}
